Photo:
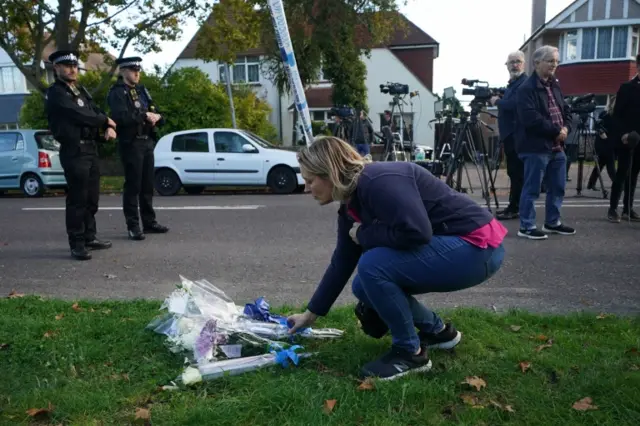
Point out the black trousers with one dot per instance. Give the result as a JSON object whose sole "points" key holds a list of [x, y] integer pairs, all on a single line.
{"points": [[515, 171], [82, 172], [138, 161], [626, 177]]}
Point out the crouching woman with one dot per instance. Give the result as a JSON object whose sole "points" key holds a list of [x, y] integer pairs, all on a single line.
{"points": [[408, 233]]}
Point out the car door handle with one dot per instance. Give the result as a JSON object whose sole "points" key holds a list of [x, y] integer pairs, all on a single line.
{"points": [[177, 158], [14, 158], [220, 159]]}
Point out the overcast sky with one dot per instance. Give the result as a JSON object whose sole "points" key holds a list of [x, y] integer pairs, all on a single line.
{"points": [[475, 37]]}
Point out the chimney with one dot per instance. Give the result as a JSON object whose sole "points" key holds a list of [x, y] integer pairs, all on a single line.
{"points": [[538, 14]]}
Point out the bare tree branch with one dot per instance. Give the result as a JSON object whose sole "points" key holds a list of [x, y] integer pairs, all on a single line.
{"points": [[127, 6]]}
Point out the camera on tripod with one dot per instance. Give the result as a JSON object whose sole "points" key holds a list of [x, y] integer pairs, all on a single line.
{"points": [[343, 112], [583, 104], [481, 93], [394, 89]]}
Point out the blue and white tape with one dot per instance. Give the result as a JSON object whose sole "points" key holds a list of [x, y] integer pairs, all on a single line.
{"points": [[288, 57]]}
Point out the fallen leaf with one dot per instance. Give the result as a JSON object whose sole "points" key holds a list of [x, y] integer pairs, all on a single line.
{"points": [[545, 346], [633, 351], [49, 334], [126, 319], [542, 338], [106, 311], [329, 404], [92, 310], [4, 346], [524, 366], [40, 412], [73, 371], [584, 404], [76, 307], [109, 276], [143, 413], [475, 382], [125, 376], [366, 385], [507, 408], [602, 316], [516, 327], [14, 295], [632, 368], [472, 400], [59, 317]]}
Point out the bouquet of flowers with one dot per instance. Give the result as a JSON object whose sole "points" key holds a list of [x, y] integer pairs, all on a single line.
{"points": [[221, 337]]}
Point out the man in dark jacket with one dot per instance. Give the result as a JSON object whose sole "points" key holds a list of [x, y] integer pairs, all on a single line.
{"points": [[137, 117], [507, 116], [626, 116], [544, 123]]}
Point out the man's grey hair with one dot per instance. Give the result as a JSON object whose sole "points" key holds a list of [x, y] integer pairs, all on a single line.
{"points": [[517, 54], [543, 53]]}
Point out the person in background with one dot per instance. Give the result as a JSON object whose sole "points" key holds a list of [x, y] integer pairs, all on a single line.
{"points": [[507, 122], [626, 115], [604, 146], [424, 238], [545, 121], [363, 134]]}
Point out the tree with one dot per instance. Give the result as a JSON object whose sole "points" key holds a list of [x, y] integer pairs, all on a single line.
{"points": [[327, 34], [28, 26], [186, 98]]}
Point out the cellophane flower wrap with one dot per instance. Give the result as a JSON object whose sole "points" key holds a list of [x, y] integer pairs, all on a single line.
{"points": [[220, 337]]}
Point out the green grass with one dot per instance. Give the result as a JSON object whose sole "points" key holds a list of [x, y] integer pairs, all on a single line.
{"points": [[99, 365]]}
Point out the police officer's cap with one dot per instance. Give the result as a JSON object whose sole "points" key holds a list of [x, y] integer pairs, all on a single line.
{"points": [[132, 62], [66, 57]]}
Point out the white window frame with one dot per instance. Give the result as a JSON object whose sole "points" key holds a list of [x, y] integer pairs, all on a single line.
{"points": [[16, 75], [326, 118], [564, 39], [633, 35], [244, 61]]}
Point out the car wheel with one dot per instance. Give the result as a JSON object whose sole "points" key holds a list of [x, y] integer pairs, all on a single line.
{"points": [[167, 182], [32, 185], [194, 190], [282, 180]]}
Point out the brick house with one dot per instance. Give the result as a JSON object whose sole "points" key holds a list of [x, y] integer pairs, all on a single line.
{"points": [[405, 58]]}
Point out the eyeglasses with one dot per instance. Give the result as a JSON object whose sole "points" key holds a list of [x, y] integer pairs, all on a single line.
{"points": [[515, 62]]}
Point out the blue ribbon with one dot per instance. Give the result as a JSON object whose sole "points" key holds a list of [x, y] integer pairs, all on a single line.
{"points": [[259, 311], [284, 355]]}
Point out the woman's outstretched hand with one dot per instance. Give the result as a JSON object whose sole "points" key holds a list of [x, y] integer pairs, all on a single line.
{"points": [[299, 321]]}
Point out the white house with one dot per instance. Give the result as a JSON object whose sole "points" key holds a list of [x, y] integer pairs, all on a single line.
{"points": [[407, 59]]}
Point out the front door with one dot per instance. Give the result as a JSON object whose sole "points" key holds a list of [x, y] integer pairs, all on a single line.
{"points": [[11, 159], [235, 166]]}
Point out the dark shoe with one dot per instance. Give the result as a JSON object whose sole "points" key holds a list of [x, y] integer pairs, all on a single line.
{"points": [[613, 217], [633, 216], [156, 228], [371, 323], [136, 234], [532, 234], [446, 339], [397, 363], [80, 252], [558, 229], [96, 244], [507, 214]]}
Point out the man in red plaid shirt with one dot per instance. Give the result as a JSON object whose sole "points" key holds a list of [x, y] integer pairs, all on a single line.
{"points": [[543, 123]]}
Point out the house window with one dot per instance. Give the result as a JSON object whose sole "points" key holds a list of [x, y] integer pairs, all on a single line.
{"points": [[246, 69], [634, 43], [11, 80], [319, 115], [571, 45], [589, 43]]}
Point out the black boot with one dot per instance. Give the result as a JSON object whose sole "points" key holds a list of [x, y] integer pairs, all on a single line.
{"points": [[136, 234], [79, 251], [155, 228], [97, 244]]}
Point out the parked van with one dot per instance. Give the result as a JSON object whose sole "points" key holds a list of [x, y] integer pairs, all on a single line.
{"points": [[30, 161]]}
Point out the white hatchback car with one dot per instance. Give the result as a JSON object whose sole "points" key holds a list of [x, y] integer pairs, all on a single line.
{"points": [[194, 159]]}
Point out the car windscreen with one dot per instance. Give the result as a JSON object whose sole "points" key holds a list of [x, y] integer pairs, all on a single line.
{"points": [[257, 139], [47, 141]]}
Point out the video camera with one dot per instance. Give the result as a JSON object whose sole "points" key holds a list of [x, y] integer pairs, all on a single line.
{"points": [[343, 112], [394, 89], [483, 93], [582, 104]]}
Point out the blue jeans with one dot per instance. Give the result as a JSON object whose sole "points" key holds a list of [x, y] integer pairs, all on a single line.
{"points": [[363, 148], [387, 279], [553, 169]]}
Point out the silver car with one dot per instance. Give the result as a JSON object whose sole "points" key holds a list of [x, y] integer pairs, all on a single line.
{"points": [[30, 161]]}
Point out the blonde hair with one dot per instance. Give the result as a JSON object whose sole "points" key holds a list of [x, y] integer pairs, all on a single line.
{"points": [[333, 159]]}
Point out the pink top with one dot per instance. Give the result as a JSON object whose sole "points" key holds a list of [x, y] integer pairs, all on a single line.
{"points": [[490, 235]]}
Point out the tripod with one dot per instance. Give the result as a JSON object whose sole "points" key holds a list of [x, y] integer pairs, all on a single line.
{"points": [[397, 104], [582, 133], [462, 146]]}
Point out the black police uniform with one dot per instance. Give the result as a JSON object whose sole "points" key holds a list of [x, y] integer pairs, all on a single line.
{"points": [[136, 139], [76, 123]]}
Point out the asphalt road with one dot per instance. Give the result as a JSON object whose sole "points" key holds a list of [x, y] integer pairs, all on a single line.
{"points": [[279, 246]]}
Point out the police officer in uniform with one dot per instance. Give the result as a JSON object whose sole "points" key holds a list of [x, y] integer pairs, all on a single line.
{"points": [[137, 118], [77, 124]]}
